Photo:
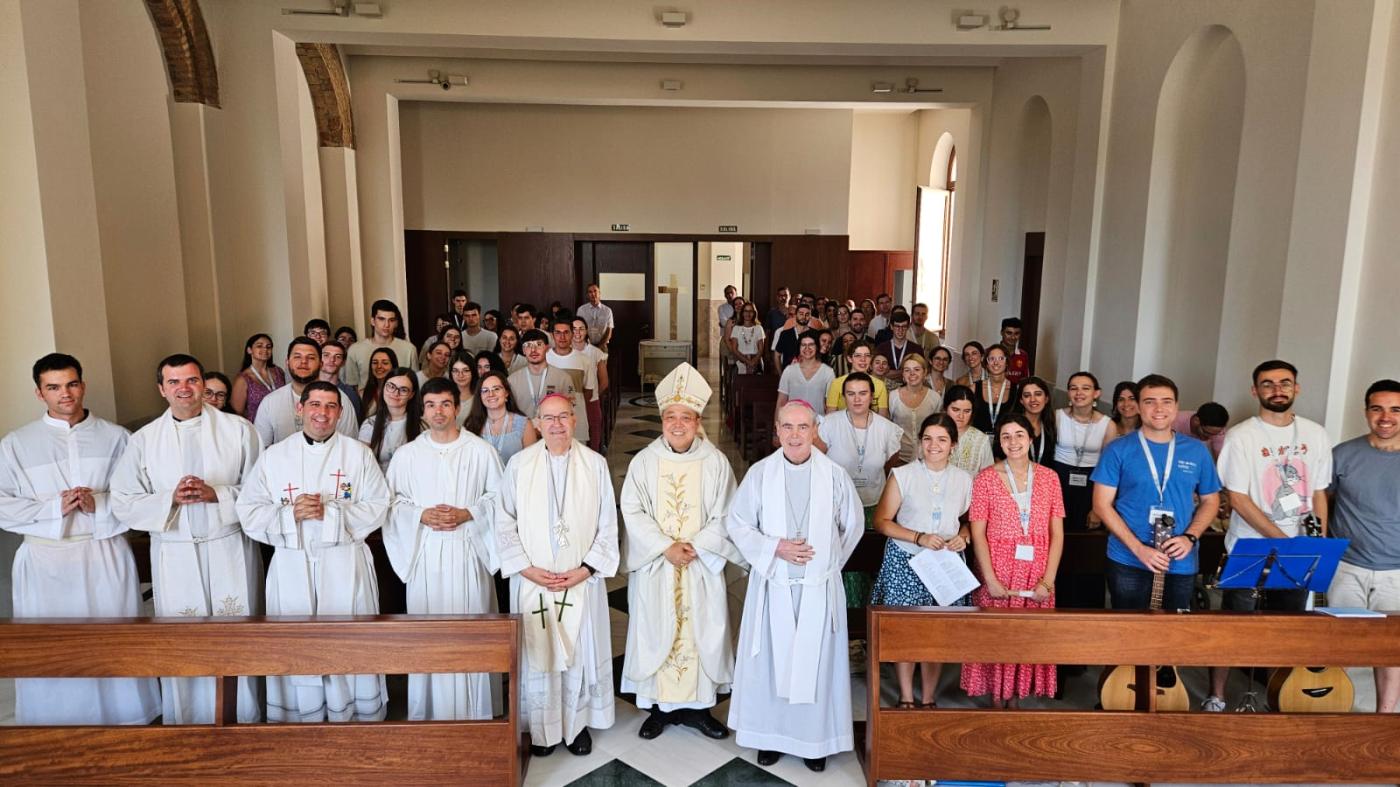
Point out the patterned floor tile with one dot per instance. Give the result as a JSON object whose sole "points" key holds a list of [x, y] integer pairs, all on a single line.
{"points": [[615, 774], [739, 773]]}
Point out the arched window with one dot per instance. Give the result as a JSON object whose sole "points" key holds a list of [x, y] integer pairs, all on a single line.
{"points": [[934, 233]]}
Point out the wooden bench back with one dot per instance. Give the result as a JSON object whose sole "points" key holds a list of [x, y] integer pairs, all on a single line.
{"points": [[1129, 746], [455, 752]]}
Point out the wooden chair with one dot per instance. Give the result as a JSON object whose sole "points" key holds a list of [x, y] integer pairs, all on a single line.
{"points": [[1137, 746], [226, 752]]}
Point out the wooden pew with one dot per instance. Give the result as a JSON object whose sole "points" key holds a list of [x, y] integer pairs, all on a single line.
{"points": [[1129, 746], [456, 752]]}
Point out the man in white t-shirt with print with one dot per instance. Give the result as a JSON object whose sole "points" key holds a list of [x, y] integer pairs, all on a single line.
{"points": [[1276, 468]]}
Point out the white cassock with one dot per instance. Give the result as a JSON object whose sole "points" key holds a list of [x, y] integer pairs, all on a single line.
{"points": [[862, 452], [566, 664], [446, 572], [278, 419], [73, 566], [321, 566], [792, 680], [679, 650], [201, 562]]}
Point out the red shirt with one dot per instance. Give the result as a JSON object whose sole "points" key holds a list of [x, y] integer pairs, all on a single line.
{"points": [[1018, 366]]}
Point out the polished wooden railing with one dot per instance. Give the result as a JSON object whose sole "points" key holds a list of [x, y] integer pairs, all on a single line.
{"points": [[1129, 746], [226, 752]]}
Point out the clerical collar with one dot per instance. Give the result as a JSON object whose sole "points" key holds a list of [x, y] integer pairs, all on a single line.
{"points": [[312, 441], [791, 465], [694, 444], [59, 423]]}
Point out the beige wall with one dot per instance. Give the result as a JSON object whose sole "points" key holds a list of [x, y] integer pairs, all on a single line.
{"points": [[659, 169], [884, 172]]}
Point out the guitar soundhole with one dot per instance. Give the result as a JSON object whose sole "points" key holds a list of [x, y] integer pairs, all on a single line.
{"points": [[1316, 670], [1166, 677], [1318, 693]]}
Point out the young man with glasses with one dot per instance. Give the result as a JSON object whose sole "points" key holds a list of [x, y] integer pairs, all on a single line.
{"points": [[1276, 468]]}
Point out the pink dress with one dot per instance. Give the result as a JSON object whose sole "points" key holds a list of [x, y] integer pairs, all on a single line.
{"points": [[256, 390], [992, 503]]}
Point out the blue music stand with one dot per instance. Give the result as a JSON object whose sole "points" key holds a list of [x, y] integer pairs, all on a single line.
{"points": [[1299, 563]]}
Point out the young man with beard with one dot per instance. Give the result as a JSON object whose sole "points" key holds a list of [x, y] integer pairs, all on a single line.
{"points": [[1276, 468], [786, 346], [279, 414]]}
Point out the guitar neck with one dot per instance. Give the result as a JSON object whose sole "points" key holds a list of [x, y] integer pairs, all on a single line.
{"points": [[1159, 581]]}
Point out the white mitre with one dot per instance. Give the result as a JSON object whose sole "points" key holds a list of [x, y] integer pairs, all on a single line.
{"points": [[684, 386]]}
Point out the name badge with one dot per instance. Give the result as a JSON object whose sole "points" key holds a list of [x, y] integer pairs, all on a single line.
{"points": [[860, 481], [1025, 552], [1078, 479], [937, 521], [1291, 503], [1026, 593]]}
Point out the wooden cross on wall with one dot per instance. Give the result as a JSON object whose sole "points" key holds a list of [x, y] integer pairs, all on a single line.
{"points": [[674, 291]]}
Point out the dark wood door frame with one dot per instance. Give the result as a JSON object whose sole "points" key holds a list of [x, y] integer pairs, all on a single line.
{"points": [[1030, 293]]}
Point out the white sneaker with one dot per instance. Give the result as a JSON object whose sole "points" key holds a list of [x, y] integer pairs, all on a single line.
{"points": [[1213, 704]]}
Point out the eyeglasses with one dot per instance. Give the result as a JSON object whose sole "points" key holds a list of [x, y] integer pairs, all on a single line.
{"points": [[561, 418], [217, 397], [1270, 385], [398, 390]]}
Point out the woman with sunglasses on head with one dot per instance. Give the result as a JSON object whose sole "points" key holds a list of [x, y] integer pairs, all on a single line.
{"points": [[972, 357], [495, 416], [398, 415]]}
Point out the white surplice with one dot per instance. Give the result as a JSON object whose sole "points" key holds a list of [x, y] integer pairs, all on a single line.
{"points": [[566, 664], [679, 650], [77, 565], [278, 420], [792, 680], [446, 572], [321, 566], [201, 562]]}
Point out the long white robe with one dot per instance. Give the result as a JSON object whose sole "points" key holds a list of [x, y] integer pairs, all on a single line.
{"points": [[201, 562], [321, 566], [669, 497], [73, 566], [277, 416], [558, 701], [446, 572], [792, 680]]}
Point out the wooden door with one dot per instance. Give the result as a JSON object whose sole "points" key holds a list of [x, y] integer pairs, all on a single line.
{"points": [[1030, 293], [631, 315]]}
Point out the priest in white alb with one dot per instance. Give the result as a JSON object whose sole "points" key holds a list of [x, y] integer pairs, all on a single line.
{"points": [[679, 651], [796, 519], [557, 534], [179, 479], [315, 496], [75, 561], [441, 540]]}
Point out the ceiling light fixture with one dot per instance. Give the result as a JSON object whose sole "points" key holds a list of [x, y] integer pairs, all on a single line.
{"points": [[882, 87], [673, 19], [371, 10]]}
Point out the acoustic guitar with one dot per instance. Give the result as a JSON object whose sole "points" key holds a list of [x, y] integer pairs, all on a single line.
{"points": [[1311, 689], [1118, 686]]}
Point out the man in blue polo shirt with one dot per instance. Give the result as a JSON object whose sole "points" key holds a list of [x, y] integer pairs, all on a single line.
{"points": [[1146, 477]]}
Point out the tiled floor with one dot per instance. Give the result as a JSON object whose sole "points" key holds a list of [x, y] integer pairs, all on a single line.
{"points": [[681, 756]]}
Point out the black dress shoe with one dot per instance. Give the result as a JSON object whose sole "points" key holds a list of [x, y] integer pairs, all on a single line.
{"points": [[708, 725], [766, 757], [582, 745], [817, 764], [655, 724], [541, 751]]}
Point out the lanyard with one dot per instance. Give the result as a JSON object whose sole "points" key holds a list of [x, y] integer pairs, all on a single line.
{"points": [[1039, 446], [1016, 493], [535, 396], [898, 356], [994, 406], [1159, 482], [940, 488], [266, 383], [1083, 444], [860, 447]]}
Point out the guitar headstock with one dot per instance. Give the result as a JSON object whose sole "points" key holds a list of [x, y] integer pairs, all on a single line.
{"points": [[1163, 530]]}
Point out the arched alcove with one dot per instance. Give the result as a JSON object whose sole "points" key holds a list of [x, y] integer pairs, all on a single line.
{"points": [[1190, 206], [1034, 164], [942, 156], [933, 255], [1025, 269]]}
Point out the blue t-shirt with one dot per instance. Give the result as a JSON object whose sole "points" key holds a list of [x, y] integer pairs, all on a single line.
{"points": [[1124, 466]]}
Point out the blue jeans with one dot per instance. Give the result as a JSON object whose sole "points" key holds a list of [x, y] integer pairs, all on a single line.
{"points": [[1130, 587]]}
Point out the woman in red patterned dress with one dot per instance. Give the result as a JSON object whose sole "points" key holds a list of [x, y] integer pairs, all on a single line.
{"points": [[1017, 518]]}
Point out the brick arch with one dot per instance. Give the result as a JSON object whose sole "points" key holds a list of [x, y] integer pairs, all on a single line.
{"points": [[189, 59], [330, 94]]}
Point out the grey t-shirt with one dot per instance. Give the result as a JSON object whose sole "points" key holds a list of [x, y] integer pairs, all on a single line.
{"points": [[1366, 508]]}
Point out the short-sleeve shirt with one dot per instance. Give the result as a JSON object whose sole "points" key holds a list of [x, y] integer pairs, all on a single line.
{"points": [[1366, 504], [1124, 466], [598, 319], [788, 344], [836, 394], [1279, 468], [795, 385]]}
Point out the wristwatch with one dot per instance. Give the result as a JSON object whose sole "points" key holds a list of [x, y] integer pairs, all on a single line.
{"points": [[1190, 537]]}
